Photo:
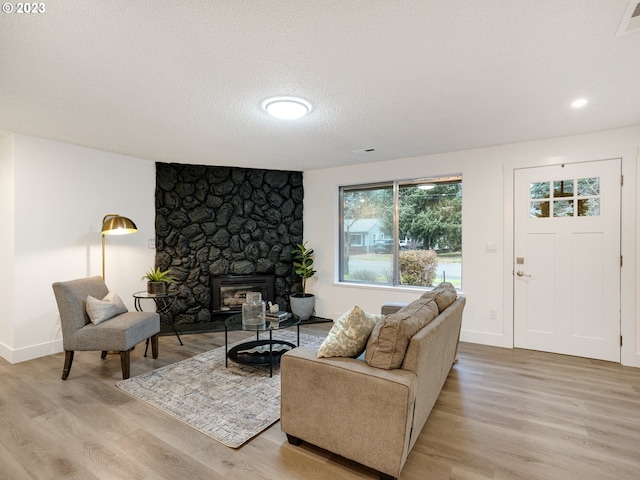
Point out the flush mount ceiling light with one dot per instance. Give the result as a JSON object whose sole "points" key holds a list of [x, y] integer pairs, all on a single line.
{"points": [[286, 108], [426, 186], [579, 103]]}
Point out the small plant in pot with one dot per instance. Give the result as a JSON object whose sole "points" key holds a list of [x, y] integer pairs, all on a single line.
{"points": [[303, 304], [158, 280]]}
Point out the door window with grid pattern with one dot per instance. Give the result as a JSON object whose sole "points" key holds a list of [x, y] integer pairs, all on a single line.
{"points": [[578, 197]]}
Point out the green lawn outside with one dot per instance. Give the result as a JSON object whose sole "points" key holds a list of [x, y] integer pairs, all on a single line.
{"points": [[453, 257], [375, 268]]}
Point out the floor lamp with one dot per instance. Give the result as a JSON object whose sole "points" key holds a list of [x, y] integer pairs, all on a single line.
{"points": [[114, 224]]}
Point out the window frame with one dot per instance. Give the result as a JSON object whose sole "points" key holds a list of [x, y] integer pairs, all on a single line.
{"points": [[395, 185], [360, 242]]}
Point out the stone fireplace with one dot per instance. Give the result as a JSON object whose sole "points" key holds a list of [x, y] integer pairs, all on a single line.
{"points": [[213, 222]]}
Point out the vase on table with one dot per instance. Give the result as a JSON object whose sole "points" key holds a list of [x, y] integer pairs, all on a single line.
{"points": [[253, 310]]}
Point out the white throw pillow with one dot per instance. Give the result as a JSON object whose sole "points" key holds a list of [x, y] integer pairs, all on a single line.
{"points": [[101, 310], [349, 334]]}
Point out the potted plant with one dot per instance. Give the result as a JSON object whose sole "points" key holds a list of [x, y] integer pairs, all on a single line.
{"points": [[157, 280], [302, 304]]}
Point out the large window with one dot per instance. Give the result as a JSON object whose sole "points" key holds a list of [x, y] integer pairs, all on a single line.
{"points": [[402, 233]]}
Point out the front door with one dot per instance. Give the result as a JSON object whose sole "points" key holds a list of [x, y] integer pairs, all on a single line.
{"points": [[567, 259]]}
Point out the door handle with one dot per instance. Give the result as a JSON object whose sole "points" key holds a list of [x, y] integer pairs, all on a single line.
{"points": [[520, 273]]}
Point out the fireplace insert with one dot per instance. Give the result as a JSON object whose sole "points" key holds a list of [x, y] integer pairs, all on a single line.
{"points": [[229, 292]]}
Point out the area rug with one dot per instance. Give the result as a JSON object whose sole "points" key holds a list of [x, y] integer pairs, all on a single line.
{"points": [[231, 405]]}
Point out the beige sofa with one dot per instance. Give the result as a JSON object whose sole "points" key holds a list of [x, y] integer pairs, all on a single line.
{"points": [[367, 414]]}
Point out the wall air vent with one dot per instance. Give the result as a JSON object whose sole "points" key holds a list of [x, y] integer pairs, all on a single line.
{"points": [[631, 20]]}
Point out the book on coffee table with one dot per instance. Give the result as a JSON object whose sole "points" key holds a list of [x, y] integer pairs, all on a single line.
{"points": [[279, 315]]}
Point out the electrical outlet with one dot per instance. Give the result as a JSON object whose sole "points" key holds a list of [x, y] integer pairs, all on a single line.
{"points": [[493, 314], [152, 243]]}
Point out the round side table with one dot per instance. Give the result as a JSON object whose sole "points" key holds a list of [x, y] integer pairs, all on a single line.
{"points": [[163, 301]]}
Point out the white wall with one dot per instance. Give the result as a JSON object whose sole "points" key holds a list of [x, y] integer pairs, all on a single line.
{"points": [[7, 220], [62, 193], [54, 196], [486, 218]]}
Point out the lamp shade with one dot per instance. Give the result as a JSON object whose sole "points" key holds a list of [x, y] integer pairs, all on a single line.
{"points": [[117, 225], [113, 224]]}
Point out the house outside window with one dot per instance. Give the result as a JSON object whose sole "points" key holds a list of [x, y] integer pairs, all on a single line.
{"points": [[356, 239], [405, 233]]}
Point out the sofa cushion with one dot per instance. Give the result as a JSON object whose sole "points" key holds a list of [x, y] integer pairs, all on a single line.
{"points": [[390, 338], [444, 295], [392, 307], [101, 310], [349, 334]]}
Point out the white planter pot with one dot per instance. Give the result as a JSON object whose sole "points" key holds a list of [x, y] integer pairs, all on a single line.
{"points": [[302, 306]]}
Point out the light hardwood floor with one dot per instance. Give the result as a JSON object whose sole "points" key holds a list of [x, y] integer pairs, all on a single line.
{"points": [[503, 414]]}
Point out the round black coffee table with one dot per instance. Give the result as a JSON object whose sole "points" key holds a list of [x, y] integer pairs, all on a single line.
{"points": [[259, 352]]}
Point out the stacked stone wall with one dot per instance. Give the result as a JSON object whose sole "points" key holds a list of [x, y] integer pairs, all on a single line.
{"points": [[225, 221]]}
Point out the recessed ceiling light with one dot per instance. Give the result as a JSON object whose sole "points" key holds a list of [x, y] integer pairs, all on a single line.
{"points": [[286, 108], [579, 103]]}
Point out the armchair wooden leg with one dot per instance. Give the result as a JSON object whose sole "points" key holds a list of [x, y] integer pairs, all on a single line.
{"points": [[125, 361], [104, 354], [154, 345], [294, 440], [68, 360]]}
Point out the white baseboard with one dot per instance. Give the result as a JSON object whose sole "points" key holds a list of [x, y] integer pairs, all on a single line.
{"points": [[483, 338], [5, 352], [631, 360], [29, 353]]}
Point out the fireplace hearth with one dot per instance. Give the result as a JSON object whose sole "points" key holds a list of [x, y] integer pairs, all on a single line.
{"points": [[229, 292]]}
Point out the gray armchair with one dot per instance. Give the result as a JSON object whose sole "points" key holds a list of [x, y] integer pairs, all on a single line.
{"points": [[120, 333]]}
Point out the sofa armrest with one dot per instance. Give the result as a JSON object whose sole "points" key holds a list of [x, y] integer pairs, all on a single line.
{"points": [[348, 407], [392, 307]]}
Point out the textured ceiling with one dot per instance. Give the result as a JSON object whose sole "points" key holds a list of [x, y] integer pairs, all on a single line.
{"points": [[183, 81]]}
